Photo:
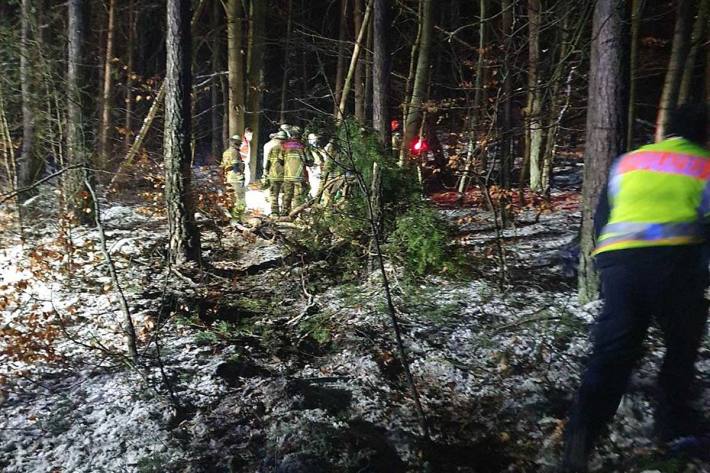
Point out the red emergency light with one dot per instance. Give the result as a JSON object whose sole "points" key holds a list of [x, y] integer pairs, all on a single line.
{"points": [[419, 146]]}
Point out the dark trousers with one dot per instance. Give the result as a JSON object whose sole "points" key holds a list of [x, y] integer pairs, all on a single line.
{"points": [[662, 283]]}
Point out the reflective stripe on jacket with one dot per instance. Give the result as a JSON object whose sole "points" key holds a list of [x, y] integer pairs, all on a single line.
{"points": [[294, 161], [659, 196]]}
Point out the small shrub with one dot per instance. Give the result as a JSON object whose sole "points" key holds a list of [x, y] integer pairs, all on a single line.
{"points": [[420, 242]]}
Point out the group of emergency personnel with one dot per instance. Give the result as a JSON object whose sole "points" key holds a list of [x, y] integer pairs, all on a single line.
{"points": [[292, 169]]}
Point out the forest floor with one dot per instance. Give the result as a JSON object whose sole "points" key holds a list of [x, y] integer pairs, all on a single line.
{"points": [[264, 361]]}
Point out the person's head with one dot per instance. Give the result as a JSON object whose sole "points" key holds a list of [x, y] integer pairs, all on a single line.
{"points": [[690, 121], [295, 132], [313, 139], [235, 141], [248, 133], [281, 135]]}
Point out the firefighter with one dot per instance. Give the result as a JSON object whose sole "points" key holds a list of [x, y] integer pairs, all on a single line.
{"points": [[317, 158], [295, 163], [652, 225], [233, 168], [274, 170], [267, 149]]}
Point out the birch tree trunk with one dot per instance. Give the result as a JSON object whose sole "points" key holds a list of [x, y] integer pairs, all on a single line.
{"points": [[534, 132], [606, 114], [105, 122], [235, 15], [679, 52], [77, 196], [381, 72], [421, 77], [184, 238]]}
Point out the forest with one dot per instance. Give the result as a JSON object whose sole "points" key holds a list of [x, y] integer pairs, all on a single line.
{"points": [[313, 236]]}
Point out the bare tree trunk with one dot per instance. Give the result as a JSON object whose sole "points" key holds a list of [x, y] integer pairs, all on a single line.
{"points": [[636, 13], [359, 68], [507, 10], [215, 118], [256, 79], [105, 123], [420, 79], [235, 16], [606, 129], [477, 113], [368, 72], [671, 85], [284, 80], [347, 85], [340, 71], [381, 72], [701, 21], [534, 130], [25, 165], [77, 197], [184, 237], [128, 121], [413, 55]]}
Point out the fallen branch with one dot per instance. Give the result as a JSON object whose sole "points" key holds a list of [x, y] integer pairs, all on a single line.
{"points": [[129, 330], [9, 196]]}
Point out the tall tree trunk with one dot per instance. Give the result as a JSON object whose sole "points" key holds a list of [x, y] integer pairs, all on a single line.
{"points": [[507, 10], [476, 130], [636, 14], [235, 16], [420, 79], [256, 79], [77, 196], [215, 116], [368, 73], [413, 55], [359, 68], [562, 74], [287, 48], [534, 132], [671, 85], [347, 85], [606, 114], [105, 122], [25, 165], [128, 121], [183, 233], [340, 70], [381, 72], [701, 20]]}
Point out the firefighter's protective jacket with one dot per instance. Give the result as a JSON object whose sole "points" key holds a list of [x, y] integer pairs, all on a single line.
{"points": [[658, 195]]}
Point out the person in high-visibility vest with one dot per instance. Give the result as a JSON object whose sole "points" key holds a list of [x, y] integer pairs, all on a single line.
{"points": [[653, 224]]}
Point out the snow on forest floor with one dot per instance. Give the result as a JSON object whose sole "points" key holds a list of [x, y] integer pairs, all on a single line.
{"points": [[242, 372]]}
